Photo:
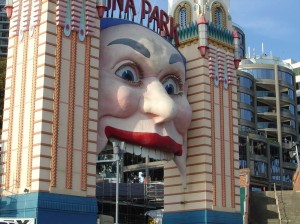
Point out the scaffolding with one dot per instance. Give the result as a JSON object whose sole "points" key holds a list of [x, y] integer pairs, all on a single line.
{"points": [[135, 199]]}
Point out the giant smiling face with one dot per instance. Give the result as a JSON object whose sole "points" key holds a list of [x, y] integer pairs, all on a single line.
{"points": [[142, 98]]}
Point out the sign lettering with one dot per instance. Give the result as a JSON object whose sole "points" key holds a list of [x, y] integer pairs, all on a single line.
{"points": [[155, 15], [16, 221]]}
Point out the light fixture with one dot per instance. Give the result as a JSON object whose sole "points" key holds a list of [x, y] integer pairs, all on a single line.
{"points": [[101, 6], [9, 8]]}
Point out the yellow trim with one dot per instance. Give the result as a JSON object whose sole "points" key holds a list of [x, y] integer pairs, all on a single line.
{"points": [[211, 40], [85, 131], [11, 113], [22, 106], [216, 6], [222, 138], [188, 12], [58, 62], [71, 111], [213, 143], [32, 106]]}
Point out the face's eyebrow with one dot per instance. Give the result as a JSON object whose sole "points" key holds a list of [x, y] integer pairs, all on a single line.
{"points": [[133, 44], [174, 58]]}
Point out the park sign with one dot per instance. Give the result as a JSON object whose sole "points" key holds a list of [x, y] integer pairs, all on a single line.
{"points": [[16, 221], [149, 16]]}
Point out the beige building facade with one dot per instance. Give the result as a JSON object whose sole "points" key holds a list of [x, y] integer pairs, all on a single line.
{"points": [[51, 113]]}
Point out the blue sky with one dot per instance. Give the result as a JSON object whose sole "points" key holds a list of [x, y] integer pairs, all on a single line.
{"points": [[275, 23]]}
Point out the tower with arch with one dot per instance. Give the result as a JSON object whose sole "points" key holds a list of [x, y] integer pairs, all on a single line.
{"points": [[208, 41]]}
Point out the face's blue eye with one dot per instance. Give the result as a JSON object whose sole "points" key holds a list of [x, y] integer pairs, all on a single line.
{"points": [[128, 76], [128, 73], [170, 89], [172, 86]]}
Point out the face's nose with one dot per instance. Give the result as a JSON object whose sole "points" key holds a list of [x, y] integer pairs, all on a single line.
{"points": [[157, 102]]}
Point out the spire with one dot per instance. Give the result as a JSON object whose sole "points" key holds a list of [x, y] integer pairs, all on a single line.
{"points": [[203, 41], [236, 49]]}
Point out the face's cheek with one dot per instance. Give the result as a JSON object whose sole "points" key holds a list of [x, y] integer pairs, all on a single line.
{"points": [[183, 116], [117, 98], [128, 100]]}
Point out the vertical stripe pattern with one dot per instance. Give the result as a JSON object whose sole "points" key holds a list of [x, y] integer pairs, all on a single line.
{"points": [[11, 113], [32, 107], [70, 137], [85, 114], [56, 106], [212, 56], [21, 116]]}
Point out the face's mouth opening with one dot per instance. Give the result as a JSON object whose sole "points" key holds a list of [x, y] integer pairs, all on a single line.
{"points": [[145, 144]]}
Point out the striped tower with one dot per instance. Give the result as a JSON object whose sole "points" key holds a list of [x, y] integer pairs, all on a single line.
{"points": [[48, 159], [213, 193]]}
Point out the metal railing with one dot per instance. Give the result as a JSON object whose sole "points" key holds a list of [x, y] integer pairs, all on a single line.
{"points": [[277, 204]]}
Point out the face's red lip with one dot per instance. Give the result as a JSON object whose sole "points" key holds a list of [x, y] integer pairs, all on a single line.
{"points": [[150, 140]]}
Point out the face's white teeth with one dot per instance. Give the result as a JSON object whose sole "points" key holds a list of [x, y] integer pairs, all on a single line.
{"points": [[151, 153], [129, 148], [158, 154], [137, 150], [144, 152]]}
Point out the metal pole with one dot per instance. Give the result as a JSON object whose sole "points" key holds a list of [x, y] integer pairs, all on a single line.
{"points": [[117, 151], [117, 190]]}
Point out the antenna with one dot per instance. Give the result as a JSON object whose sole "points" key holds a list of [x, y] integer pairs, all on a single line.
{"points": [[262, 48], [249, 52]]}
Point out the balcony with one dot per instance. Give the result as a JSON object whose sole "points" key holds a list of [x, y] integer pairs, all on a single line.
{"points": [[265, 94], [272, 126], [288, 129]]}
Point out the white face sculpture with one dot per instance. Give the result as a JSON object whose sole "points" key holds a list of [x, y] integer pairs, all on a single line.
{"points": [[142, 99]]}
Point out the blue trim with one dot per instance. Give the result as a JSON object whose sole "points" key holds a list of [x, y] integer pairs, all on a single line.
{"points": [[202, 217], [50, 208], [108, 22]]}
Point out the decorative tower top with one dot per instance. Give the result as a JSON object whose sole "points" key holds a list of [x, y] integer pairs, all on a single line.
{"points": [[186, 12]]}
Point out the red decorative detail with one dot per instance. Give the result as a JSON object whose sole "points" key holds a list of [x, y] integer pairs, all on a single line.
{"points": [[101, 9], [202, 20], [235, 34], [203, 50], [9, 9], [151, 140], [236, 63], [163, 33]]}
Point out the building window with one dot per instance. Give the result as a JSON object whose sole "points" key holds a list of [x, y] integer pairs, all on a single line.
{"points": [[246, 83], [218, 17], [246, 99], [285, 76], [182, 17], [261, 73], [246, 115], [218, 14], [182, 14]]}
